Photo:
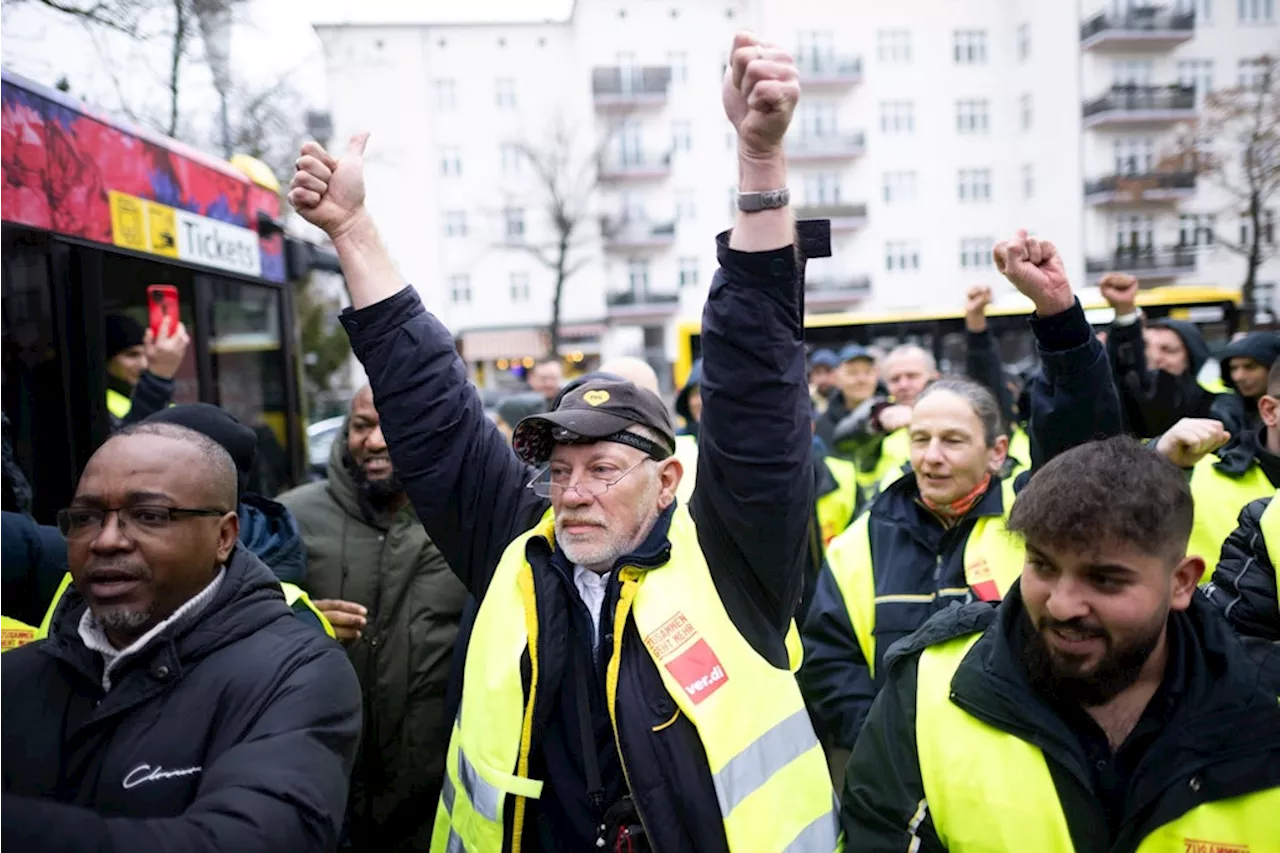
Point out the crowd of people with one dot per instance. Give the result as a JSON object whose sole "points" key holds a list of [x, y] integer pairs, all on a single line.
{"points": [[850, 604]]}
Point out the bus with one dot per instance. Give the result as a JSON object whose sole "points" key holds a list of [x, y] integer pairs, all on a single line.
{"points": [[1214, 310], [95, 210]]}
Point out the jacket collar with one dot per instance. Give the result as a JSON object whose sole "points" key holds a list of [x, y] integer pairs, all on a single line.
{"points": [[900, 502]]}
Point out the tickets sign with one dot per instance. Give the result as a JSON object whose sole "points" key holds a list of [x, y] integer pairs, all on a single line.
{"points": [[158, 229]]}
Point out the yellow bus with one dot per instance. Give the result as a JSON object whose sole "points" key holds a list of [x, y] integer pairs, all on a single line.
{"points": [[1214, 310]]}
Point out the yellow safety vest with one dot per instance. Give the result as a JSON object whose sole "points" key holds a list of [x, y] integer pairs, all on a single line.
{"points": [[769, 771], [1218, 501], [895, 451], [294, 596], [118, 404], [14, 633], [836, 508], [687, 453], [1020, 450], [992, 555], [989, 791]]}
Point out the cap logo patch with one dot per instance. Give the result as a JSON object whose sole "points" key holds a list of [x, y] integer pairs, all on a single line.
{"points": [[596, 397]]}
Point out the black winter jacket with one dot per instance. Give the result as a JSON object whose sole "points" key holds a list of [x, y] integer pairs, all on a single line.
{"points": [[1074, 401], [1220, 738], [752, 509], [1244, 589], [235, 731], [150, 395], [1154, 400]]}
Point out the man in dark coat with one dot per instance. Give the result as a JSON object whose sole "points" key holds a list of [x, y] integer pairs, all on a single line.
{"points": [[177, 703]]}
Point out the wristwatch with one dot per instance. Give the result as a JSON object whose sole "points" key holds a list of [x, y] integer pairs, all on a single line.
{"points": [[766, 200]]}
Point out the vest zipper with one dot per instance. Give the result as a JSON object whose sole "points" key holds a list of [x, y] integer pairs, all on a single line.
{"points": [[619, 631]]}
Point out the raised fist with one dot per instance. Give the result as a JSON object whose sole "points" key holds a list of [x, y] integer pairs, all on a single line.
{"points": [[1191, 439], [326, 192], [1121, 292], [977, 299], [760, 92], [1035, 268]]}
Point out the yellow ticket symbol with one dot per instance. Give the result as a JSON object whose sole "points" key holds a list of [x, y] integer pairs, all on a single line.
{"points": [[163, 224]]}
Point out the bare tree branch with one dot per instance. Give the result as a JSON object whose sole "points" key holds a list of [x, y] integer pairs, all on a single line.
{"points": [[123, 16]]}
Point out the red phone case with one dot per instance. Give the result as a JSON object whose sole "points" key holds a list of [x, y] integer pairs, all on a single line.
{"points": [[162, 302]]}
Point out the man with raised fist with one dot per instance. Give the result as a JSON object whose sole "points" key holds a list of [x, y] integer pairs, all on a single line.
{"points": [[628, 680]]}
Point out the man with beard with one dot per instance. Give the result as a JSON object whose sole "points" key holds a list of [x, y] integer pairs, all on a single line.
{"points": [[1104, 705], [395, 605]]}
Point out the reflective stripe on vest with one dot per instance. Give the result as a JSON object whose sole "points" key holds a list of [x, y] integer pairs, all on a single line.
{"points": [[993, 560], [766, 764], [14, 633], [295, 596], [118, 404], [1218, 501], [687, 453], [988, 790], [835, 508]]}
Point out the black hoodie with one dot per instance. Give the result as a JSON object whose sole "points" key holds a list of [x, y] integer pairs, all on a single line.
{"points": [[1155, 400], [1238, 413]]}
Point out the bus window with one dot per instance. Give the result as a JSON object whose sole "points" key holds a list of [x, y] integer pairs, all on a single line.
{"points": [[250, 373], [34, 388], [124, 294]]}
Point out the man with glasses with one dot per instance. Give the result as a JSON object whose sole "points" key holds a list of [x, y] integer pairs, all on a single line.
{"points": [[628, 682], [177, 704]]}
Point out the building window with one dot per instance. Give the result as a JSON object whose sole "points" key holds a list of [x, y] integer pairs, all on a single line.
{"points": [[1196, 229], [512, 159], [1203, 10], [1268, 228], [1028, 181], [818, 119], [686, 205], [513, 218], [446, 95], [815, 50], [1024, 42], [1196, 73], [973, 115], [504, 93], [901, 255], [688, 272], [681, 136], [899, 187], [460, 289], [975, 252], [455, 223], [1024, 111], [1253, 73], [638, 276], [1132, 72], [970, 47], [519, 285], [1134, 233], [975, 185], [1134, 155], [1256, 11], [822, 188], [679, 62], [897, 117], [893, 47], [629, 144], [450, 162]]}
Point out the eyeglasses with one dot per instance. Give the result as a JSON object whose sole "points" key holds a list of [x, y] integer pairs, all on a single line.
{"points": [[551, 482], [81, 522]]}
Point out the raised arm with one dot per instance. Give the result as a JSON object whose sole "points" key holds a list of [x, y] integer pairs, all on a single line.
{"points": [[755, 487], [982, 358], [464, 481]]}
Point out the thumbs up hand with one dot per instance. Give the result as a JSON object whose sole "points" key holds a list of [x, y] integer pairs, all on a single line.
{"points": [[328, 192]]}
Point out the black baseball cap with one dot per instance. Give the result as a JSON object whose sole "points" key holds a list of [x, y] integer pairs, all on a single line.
{"points": [[600, 409]]}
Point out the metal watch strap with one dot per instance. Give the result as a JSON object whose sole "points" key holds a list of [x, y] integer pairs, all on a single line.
{"points": [[766, 200]]}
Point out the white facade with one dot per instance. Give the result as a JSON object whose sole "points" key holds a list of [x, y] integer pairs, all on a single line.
{"points": [[927, 130]]}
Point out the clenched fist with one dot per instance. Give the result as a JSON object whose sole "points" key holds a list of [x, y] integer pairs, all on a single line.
{"points": [[326, 192], [975, 307], [1121, 292], [1191, 439], [760, 92], [1035, 268]]}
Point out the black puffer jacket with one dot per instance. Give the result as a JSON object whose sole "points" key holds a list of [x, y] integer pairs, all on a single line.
{"points": [[1244, 584], [233, 731]]}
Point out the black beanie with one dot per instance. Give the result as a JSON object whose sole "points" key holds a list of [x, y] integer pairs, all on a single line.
{"points": [[121, 332], [237, 439]]}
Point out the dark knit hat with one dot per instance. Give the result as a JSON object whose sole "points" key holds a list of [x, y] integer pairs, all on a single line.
{"points": [[121, 333], [219, 425]]}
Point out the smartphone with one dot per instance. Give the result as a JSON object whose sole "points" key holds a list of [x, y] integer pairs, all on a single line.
{"points": [[162, 302]]}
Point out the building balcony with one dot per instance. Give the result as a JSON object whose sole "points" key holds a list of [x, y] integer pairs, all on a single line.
{"points": [[825, 148], [1155, 187], [619, 88], [829, 70], [833, 293], [844, 217], [1149, 27], [632, 306], [1145, 264], [635, 167], [629, 235], [1127, 105]]}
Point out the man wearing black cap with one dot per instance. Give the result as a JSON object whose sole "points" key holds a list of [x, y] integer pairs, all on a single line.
{"points": [[629, 681], [140, 367]]}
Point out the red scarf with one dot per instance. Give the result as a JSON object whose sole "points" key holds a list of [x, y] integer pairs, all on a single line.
{"points": [[955, 509]]}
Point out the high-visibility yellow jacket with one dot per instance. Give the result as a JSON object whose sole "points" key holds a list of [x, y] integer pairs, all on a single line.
{"points": [[1218, 501], [836, 508]]}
